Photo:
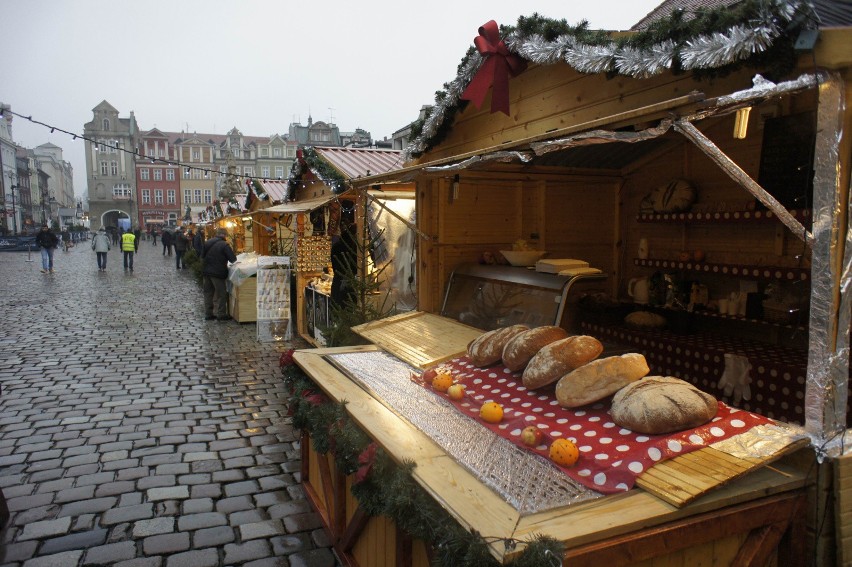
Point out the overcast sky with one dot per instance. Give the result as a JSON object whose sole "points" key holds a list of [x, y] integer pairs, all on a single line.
{"points": [[209, 65]]}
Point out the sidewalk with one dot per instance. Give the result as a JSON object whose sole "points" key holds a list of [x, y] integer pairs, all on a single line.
{"points": [[133, 432]]}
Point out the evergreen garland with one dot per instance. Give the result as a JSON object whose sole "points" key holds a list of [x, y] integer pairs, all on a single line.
{"points": [[390, 490], [323, 170], [709, 42]]}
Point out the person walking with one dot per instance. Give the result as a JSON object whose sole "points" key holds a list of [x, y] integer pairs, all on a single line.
{"points": [[181, 244], [166, 238], [198, 241], [128, 246], [48, 242], [101, 245], [215, 257]]}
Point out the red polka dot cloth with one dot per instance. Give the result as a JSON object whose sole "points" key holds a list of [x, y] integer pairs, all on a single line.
{"points": [[610, 457]]}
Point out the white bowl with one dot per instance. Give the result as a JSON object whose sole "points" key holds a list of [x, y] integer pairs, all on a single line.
{"points": [[523, 257]]}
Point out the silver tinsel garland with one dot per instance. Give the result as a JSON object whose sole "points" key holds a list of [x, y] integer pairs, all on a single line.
{"points": [[703, 52]]}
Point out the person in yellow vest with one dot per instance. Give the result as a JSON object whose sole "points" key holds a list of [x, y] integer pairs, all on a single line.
{"points": [[128, 246]]}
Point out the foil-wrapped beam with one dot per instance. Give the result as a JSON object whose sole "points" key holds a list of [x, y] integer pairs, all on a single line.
{"points": [[762, 88], [501, 156], [827, 380], [736, 173], [600, 137]]}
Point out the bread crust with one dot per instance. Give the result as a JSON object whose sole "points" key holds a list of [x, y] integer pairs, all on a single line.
{"points": [[487, 349], [522, 347], [662, 404], [600, 379], [558, 358]]}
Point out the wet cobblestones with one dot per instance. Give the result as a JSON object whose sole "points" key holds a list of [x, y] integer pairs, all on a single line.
{"points": [[133, 432]]}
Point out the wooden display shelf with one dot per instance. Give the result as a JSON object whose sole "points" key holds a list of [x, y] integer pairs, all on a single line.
{"points": [[767, 500], [777, 273], [242, 301], [721, 217], [715, 315]]}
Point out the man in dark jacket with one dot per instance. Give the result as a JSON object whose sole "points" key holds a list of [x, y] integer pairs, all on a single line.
{"points": [[166, 238], [215, 257], [181, 244], [48, 242]]}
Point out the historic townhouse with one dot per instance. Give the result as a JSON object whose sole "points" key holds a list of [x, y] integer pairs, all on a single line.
{"points": [[110, 166], [195, 152], [157, 181]]}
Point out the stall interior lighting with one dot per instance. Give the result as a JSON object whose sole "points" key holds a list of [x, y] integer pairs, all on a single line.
{"points": [[741, 123]]}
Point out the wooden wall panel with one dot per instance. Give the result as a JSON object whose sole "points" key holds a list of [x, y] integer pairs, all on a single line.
{"points": [[551, 97]]}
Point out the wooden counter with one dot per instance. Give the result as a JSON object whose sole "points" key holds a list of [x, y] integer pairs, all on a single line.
{"points": [[747, 519]]}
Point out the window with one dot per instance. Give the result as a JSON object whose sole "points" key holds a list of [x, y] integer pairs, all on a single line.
{"points": [[187, 196], [102, 147], [113, 146], [264, 171], [223, 169], [158, 174], [121, 190], [248, 171], [291, 152], [171, 195], [170, 174], [237, 170], [186, 174], [279, 171], [146, 196], [276, 152], [113, 168], [144, 174], [196, 174], [264, 152], [208, 196], [158, 196], [104, 168], [196, 153], [198, 196], [236, 152], [105, 124], [172, 219]]}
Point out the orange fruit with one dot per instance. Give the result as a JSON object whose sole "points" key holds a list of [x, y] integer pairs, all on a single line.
{"points": [[564, 452], [442, 381], [456, 391], [492, 412]]}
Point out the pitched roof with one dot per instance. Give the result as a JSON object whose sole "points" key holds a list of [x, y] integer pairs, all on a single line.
{"points": [[361, 162], [689, 7]]}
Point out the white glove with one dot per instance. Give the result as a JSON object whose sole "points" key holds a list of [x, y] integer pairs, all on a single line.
{"points": [[736, 378]]}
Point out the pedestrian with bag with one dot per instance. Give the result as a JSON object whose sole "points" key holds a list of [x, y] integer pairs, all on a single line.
{"points": [[48, 242], [128, 246], [101, 245], [181, 244], [215, 257]]}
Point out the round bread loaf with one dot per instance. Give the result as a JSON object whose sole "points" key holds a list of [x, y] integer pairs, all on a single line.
{"points": [[559, 358], [487, 349], [662, 404], [599, 379], [521, 348]]}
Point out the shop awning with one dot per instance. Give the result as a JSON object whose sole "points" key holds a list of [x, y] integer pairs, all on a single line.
{"points": [[303, 206]]}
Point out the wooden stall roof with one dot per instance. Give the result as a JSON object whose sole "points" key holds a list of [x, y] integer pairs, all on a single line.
{"points": [[302, 206], [361, 162]]}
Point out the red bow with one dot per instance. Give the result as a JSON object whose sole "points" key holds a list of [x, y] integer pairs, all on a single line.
{"points": [[366, 460], [495, 71]]}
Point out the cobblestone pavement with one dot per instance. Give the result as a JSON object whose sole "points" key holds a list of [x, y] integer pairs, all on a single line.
{"points": [[133, 432]]}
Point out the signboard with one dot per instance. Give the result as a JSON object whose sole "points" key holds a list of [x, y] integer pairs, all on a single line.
{"points": [[273, 299]]}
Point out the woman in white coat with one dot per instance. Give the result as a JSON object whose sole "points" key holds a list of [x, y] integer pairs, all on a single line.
{"points": [[101, 245]]}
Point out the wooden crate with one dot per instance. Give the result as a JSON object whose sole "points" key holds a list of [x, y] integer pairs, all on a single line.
{"points": [[242, 301]]}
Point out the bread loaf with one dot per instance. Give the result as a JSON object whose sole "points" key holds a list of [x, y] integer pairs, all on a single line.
{"points": [[599, 378], [559, 358], [522, 347], [487, 349], [658, 404]]}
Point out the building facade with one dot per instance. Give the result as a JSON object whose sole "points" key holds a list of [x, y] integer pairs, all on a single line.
{"points": [[111, 167], [195, 152], [8, 173], [157, 181], [60, 175]]}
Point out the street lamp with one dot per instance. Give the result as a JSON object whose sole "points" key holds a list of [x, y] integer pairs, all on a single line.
{"points": [[12, 188]]}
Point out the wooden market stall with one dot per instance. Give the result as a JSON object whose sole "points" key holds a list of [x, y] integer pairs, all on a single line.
{"points": [[305, 221], [714, 201]]}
